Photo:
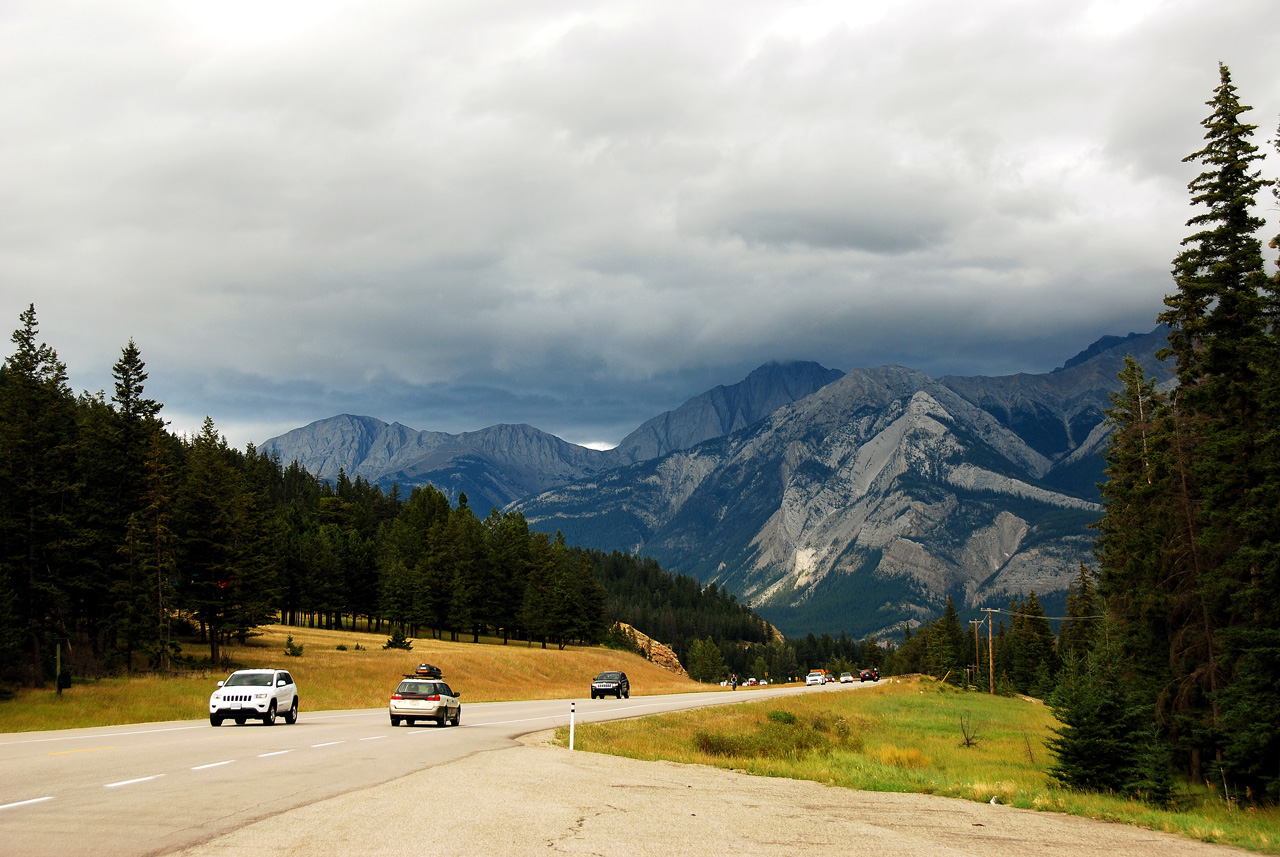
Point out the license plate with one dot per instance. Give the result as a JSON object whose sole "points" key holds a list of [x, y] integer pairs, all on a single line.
{"points": [[236, 705], [415, 703]]}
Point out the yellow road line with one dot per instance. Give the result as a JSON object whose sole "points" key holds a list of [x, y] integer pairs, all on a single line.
{"points": [[85, 750]]}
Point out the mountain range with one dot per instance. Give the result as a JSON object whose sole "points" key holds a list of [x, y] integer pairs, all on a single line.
{"points": [[830, 501]]}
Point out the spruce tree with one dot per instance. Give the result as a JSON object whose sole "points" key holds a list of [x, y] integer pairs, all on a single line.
{"points": [[1096, 747], [38, 485], [1075, 637], [1187, 545]]}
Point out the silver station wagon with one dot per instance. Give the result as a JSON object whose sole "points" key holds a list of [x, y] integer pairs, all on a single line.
{"points": [[425, 699]]}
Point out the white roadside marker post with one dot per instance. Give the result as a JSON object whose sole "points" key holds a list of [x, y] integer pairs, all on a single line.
{"points": [[573, 710]]}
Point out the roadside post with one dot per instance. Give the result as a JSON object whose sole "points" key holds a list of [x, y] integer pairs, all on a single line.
{"points": [[573, 709]]}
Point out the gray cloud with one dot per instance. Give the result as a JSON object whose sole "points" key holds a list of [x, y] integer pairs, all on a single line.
{"points": [[577, 214]]}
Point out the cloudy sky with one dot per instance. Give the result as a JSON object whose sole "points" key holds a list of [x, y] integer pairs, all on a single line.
{"points": [[577, 215]]}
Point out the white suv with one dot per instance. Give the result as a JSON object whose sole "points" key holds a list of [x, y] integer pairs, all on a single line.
{"points": [[815, 678], [260, 694]]}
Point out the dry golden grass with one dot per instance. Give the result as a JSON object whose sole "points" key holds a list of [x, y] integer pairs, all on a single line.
{"points": [[331, 679]]}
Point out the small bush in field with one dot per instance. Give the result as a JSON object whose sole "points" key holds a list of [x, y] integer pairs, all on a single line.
{"points": [[716, 744], [784, 717], [398, 641], [291, 648]]}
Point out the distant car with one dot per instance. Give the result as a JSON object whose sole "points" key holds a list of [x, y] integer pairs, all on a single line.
{"points": [[254, 694], [872, 674], [752, 682], [815, 678], [428, 671], [846, 678], [425, 699], [611, 683]]}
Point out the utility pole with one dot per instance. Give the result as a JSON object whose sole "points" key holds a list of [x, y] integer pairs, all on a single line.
{"points": [[991, 652], [977, 649]]}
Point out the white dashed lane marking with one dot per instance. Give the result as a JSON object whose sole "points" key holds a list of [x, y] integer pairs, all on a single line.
{"points": [[25, 802], [131, 782], [137, 780]]}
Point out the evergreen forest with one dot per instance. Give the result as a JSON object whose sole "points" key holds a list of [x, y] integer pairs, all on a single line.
{"points": [[125, 548]]}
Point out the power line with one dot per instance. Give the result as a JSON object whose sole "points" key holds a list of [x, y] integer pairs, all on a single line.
{"points": [[1038, 616]]}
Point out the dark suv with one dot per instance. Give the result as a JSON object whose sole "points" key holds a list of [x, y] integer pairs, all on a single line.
{"points": [[614, 683]]}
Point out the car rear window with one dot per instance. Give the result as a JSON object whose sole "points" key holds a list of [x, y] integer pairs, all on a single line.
{"points": [[423, 687]]}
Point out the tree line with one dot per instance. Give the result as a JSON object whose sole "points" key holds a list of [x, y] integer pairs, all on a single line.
{"points": [[1189, 545], [1169, 664], [1020, 655], [120, 542]]}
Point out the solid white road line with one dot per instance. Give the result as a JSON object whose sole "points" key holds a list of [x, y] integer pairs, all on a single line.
{"points": [[276, 753], [327, 744]]}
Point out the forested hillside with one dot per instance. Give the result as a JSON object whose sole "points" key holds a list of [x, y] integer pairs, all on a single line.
{"points": [[123, 545]]}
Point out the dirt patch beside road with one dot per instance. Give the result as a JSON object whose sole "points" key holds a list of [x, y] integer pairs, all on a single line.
{"points": [[539, 799]]}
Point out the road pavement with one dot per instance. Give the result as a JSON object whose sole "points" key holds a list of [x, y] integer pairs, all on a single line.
{"points": [[156, 788], [347, 783]]}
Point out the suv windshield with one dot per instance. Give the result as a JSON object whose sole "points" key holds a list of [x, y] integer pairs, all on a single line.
{"points": [[248, 680], [609, 677]]}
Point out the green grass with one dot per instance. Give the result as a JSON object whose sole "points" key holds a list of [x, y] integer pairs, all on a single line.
{"points": [[908, 737], [331, 678]]}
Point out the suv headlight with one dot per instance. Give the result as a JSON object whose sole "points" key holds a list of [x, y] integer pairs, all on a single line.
{"points": [[259, 696]]}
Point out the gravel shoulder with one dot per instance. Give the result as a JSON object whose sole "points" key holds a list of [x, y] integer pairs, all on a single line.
{"points": [[535, 798]]}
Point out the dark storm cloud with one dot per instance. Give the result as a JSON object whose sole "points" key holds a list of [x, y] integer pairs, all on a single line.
{"points": [[578, 214]]}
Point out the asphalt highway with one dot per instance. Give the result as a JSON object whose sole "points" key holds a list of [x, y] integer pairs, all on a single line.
{"points": [[155, 788]]}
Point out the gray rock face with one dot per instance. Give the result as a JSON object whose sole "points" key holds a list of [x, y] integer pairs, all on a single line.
{"points": [[867, 503], [724, 410], [500, 464]]}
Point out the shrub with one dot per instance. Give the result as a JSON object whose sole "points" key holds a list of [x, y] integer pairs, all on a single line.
{"points": [[291, 648], [716, 744], [397, 640]]}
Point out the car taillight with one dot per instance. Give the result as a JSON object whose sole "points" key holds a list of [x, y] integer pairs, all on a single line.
{"points": [[435, 697], [396, 696]]}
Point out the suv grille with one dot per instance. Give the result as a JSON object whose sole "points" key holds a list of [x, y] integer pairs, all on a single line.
{"points": [[238, 697]]}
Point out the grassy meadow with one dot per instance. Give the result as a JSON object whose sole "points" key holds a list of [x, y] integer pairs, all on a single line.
{"points": [[909, 736], [329, 678]]}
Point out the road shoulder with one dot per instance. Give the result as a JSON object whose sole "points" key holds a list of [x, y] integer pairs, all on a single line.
{"points": [[536, 798]]}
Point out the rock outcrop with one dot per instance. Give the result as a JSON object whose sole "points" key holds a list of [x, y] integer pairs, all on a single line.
{"points": [[660, 654]]}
